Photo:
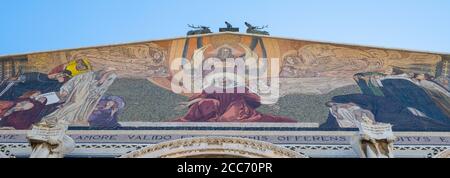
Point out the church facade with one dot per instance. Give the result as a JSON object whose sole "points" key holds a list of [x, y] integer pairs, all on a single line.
{"points": [[225, 94]]}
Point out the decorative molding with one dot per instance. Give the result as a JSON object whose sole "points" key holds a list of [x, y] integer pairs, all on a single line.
{"points": [[319, 147], [5, 153], [417, 151], [444, 154], [440, 153], [22, 149]]}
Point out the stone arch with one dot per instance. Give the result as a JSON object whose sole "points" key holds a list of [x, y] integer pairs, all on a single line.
{"points": [[443, 154], [214, 147]]}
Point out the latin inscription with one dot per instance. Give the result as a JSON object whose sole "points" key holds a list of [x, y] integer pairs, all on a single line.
{"points": [[276, 139]]}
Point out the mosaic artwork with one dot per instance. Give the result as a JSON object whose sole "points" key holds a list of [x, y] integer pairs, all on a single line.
{"points": [[227, 78]]}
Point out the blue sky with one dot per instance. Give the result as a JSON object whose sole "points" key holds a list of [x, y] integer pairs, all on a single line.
{"points": [[40, 25]]}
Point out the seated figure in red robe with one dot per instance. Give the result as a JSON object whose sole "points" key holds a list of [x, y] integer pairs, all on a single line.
{"points": [[226, 106], [25, 112]]}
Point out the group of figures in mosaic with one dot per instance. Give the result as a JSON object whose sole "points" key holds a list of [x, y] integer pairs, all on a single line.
{"points": [[407, 90]]}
